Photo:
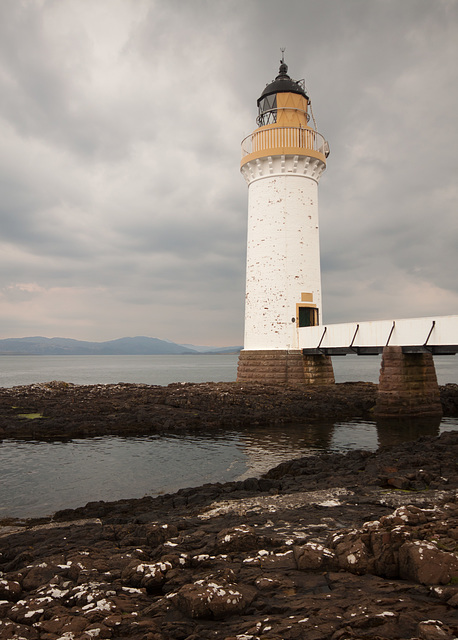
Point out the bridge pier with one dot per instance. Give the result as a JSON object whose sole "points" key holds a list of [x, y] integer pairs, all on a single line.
{"points": [[284, 367], [407, 385]]}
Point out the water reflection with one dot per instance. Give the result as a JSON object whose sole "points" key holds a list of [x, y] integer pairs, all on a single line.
{"points": [[396, 430], [38, 478], [265, 447], [292, 437]]}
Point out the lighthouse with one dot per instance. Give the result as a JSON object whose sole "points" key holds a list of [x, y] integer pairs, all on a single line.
{"points": [[282, 162]]}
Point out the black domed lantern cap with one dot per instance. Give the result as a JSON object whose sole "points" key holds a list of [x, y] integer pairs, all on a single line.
{"points": [[283, 84]]}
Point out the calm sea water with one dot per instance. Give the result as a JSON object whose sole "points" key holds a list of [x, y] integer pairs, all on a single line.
{"points": [[38, 478], [163, 370]]}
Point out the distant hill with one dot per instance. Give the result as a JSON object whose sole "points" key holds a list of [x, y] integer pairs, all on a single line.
{"points": [[139, 345], [214, 350]]}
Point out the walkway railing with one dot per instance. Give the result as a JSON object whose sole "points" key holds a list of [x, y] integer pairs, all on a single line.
{"points": [[283, 138]]}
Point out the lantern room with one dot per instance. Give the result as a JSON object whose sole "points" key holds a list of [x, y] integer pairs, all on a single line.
{"points": [[284, 111], [283, 102]]}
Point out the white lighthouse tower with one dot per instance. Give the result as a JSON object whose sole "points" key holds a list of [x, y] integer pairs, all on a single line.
{"points": [[282, 161]]}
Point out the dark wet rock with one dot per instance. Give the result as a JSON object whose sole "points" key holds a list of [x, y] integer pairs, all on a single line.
{"points": [[398, 482], [10, 630], [315, 557], [241, 538], [10, 590], [433, 630], [449, 399], [398, 546], [150, 576], [59, 410], [40, 572], [213, 597], [422, 561]]}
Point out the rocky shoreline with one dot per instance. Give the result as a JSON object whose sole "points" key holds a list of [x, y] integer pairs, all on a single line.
{"points": [[335, 546], [60, 410]]}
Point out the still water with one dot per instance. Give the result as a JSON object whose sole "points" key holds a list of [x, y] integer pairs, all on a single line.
{"points": [[38, 478], [163, 370]]}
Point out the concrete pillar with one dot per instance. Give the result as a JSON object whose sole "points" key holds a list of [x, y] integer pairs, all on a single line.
{"points": [[407, 385], [284, 367]]}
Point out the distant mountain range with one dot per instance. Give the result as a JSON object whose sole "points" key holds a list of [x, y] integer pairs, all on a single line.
{"points": [[138, 346]]}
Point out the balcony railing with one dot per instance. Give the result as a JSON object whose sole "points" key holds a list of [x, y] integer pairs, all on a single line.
{"points": [[284, 138]]}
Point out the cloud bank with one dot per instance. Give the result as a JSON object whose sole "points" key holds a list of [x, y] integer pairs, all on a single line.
{"points": [[122, 211]]}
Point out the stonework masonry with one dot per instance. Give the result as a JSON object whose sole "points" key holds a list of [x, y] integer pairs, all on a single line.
{"points": [[284, 367], [407, 385]]}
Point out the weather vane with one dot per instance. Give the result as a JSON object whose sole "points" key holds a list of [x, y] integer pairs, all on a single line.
{"points": [[282, 49]]}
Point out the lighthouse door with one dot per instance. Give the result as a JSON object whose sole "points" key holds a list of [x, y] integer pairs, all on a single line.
{"points": [[308, 316]]}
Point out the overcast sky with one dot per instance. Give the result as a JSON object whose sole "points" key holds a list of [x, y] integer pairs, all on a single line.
{"points": [[122, 209]]}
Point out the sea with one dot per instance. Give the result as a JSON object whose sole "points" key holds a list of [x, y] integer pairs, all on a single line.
{"points": [[38, 478]]}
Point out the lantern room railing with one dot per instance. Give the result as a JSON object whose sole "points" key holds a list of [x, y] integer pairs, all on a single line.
{"points": [[283, 138]]}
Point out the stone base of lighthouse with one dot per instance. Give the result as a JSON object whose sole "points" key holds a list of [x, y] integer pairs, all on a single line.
{"points": [[407, 385], [284, 367]]}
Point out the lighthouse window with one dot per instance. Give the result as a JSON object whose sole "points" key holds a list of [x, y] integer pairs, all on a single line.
{"points": [[308, 316], [268, 110]]}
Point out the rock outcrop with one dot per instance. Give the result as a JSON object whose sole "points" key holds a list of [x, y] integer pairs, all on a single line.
{"points": [[62, 410]]}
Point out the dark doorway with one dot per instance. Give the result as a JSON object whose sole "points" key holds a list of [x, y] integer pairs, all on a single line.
{"points": [[308, 316]]}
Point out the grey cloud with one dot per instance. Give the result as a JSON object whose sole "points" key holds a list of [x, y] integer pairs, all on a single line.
{"points": [[121, 201]]}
